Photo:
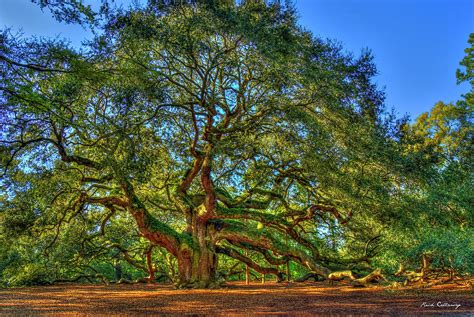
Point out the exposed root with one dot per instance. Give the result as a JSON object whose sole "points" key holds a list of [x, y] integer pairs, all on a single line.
{"points": [[426, 276]]}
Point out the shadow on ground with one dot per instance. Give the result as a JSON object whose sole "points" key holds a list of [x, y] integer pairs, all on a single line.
{"points": [[237, 299]]}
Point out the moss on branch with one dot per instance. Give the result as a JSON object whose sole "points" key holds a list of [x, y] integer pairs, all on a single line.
{"points": [[251, 214], [237, 232]]}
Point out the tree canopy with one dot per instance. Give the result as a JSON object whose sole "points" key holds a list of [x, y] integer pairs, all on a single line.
{"points": [[206, 134]]}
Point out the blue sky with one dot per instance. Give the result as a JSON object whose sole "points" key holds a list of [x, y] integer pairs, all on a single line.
{"points": [[417, 43]]}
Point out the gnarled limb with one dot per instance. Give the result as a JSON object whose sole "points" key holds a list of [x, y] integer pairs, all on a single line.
{"points": [[269, 257], [242, 258], [149, 264], [154, 230], [235, 232], [364, 281], [401, 269], [339, 276], [308, 276]]}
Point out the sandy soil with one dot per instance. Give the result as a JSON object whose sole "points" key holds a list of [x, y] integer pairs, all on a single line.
{"points": [[236, 299]]}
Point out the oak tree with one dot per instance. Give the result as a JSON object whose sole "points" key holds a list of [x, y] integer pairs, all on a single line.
{"points": [[211, 128]]}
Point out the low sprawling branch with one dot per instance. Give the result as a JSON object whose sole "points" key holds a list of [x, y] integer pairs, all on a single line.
{"points": [[233, 253], [236, 233]]}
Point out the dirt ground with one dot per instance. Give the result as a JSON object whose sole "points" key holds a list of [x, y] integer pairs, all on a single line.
{"points": [[302, 299]]}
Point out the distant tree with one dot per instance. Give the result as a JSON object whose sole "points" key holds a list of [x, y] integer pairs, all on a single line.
{"points": [[447, 133], [440, 199]]}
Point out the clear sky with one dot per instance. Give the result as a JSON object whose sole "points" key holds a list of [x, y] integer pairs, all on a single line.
{"points": [[417, 43]]}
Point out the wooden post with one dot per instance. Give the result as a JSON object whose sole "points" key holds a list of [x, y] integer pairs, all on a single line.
{"points": [[118, 270], [288, 277], [263, 278], [247, 272], [247, 275], [149, 263], [425, 266]]}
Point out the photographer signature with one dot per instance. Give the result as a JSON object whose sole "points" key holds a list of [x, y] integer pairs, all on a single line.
{"points": [[440, 305]]}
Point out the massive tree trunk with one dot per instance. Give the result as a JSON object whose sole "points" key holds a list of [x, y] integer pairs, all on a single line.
{"points": [[196, 268], [210, 231], [197, 260]]}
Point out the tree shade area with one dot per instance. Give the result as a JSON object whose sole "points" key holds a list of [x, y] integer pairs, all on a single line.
{"points": [[199, 142]]}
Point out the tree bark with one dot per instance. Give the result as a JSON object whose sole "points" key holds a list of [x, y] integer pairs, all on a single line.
{"points": [[306, 277], [364, 281], [197, 260], [196, 269], [151, 268]]}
